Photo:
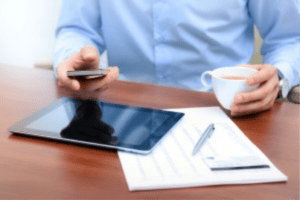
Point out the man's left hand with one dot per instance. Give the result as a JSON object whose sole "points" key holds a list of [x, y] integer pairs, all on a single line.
{"points": [[262, 98]]}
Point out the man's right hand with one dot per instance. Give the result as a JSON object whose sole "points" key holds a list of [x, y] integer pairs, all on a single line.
{"points": [[86, 59]]}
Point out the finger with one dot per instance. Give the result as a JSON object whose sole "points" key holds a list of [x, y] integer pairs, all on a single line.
{"points": [[264, 90], [254, 66], [99, 83], [255, 109], [64, 80], [112, 75], [90, 57], [263, 75], [257, 106], [87, 58], [247, 109]]}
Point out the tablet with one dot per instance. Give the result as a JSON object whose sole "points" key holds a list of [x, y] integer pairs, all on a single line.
{"points": [[99, 124]]}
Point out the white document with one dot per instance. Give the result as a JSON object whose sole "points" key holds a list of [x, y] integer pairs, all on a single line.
{"points": [[227, 157]]}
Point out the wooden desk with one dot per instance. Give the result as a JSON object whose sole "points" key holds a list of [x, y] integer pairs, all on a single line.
{"points": [[36, 168]]}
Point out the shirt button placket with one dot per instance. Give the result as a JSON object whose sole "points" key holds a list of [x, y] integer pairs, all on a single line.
{"points": [[159, 32]]}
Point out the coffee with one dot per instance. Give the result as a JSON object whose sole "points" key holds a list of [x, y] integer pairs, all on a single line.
{"points": [[233, 77], [227, 82]]}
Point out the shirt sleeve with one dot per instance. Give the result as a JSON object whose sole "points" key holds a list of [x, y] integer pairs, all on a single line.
{"points": [[278, 24], [79, 26]]}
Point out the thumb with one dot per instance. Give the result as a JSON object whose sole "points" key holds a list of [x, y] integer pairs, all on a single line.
{"points": [[90, 57]]}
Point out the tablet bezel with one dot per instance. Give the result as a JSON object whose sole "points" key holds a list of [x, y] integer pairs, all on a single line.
{"points": [[21, 128]]}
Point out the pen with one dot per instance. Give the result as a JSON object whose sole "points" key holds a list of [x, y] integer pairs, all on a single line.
{"points": [[207, 133]]}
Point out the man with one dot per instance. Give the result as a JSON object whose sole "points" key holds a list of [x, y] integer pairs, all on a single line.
{"points": [[173, 42]]}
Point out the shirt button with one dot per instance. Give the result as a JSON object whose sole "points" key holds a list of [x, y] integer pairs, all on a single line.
{"points": [[159, 37]]}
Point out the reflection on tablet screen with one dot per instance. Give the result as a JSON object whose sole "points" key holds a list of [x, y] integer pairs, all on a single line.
{"points": [[100, 123]]}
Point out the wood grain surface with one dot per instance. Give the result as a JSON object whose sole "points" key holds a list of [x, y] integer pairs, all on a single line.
{"points": [[32, 168]]}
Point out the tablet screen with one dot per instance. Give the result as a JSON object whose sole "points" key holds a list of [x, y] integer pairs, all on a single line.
{"points": [[98, 123]]}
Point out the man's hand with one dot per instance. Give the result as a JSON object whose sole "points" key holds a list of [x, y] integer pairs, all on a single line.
{"points": [[262, 98], [86, 59]]}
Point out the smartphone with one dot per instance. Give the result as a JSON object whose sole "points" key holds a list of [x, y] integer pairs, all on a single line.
{"points": [[87, 73]]}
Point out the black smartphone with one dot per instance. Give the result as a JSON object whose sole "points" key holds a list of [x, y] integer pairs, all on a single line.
{"points": [[87, 73]]}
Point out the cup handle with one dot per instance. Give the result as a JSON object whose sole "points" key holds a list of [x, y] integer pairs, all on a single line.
{"points": [[204, 79]]}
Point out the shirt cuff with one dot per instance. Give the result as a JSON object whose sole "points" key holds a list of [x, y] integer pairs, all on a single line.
{"points": [[284, 71]]}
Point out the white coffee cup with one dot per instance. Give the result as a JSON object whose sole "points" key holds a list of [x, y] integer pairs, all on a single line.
{"points": [[226, 89]]}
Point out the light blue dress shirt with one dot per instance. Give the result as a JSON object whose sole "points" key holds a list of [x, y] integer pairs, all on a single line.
{"points": [[172, 42]]}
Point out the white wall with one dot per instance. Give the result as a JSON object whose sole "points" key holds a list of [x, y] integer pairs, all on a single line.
{"points": [[27, 30]]}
